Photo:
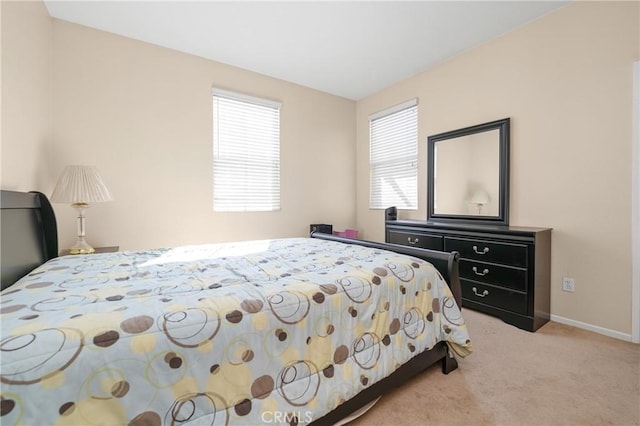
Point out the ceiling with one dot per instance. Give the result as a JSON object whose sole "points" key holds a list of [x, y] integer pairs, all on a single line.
{"points": [[347, 48]]}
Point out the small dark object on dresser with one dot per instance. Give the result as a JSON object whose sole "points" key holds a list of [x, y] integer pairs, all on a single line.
{"points": [[391, 213], [321, 227]]}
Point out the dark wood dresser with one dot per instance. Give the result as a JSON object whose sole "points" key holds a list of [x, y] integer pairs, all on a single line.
{"points": [[504, 270]]}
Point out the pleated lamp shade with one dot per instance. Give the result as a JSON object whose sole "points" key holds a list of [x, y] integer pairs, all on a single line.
{"points": [[80, 185]]}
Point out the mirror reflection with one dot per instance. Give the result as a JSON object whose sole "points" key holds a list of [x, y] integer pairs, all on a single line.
{"points": [[466, 178]]}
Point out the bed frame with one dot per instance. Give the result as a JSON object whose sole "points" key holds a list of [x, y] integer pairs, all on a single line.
{"points": [[29, 238]]}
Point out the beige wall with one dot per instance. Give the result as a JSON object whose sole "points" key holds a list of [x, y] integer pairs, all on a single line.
{"points": [[566, 82], [26, 96], [143, 115]]}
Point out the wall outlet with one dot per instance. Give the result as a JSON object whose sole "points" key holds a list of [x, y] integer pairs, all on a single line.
{"points": [[568, 284]]}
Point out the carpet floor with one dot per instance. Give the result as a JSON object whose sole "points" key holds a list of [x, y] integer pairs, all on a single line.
{"points": [[559, 375]]}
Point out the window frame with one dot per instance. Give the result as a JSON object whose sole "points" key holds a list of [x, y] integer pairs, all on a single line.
{"points": [[262, 124], [377, 198]]}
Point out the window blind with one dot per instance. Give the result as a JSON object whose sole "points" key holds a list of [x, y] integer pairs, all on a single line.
{"points": [[393, 157], [246, 153]]}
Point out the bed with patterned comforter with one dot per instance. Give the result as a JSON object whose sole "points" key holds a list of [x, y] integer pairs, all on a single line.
{"points": [[277, 331]]}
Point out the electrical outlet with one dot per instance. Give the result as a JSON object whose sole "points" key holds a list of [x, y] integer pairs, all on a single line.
{"points": [[568, 284]]}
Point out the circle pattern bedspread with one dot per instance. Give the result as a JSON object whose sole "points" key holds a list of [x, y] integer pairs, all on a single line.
{"points": [[274, 331]]}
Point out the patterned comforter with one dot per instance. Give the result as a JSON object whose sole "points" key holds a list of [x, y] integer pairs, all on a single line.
{"points": [[278, 331]]}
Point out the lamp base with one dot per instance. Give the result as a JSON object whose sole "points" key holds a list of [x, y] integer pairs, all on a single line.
{"points": [[81, 247]]}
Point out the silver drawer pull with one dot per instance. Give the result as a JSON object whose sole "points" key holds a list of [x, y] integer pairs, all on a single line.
{"points": [[484, 250], [482, 274], [483, 294], [414, 241]]}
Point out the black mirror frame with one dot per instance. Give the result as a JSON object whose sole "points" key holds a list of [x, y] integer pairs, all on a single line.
{"points": [[503, 208]]}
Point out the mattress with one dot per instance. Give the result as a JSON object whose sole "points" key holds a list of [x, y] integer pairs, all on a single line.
{"points": [[273, 331]]}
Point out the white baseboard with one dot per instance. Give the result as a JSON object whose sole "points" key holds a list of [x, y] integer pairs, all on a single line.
{"points": [[590, 327]]}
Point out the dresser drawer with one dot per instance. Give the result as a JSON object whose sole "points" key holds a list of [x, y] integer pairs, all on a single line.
{"points": [[488, 251], [509, 300], [498, 275], [416, 239]]}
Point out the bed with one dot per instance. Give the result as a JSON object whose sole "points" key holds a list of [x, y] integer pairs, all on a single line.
{"points": [[287, 331]]}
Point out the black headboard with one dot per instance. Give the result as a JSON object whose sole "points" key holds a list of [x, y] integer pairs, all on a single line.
{"points": [[29, 234]]}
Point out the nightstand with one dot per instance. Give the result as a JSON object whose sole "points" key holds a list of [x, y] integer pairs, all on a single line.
{"points": [[109, 249]]}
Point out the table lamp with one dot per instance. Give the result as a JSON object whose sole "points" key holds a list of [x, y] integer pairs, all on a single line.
{"points": [[480, 198], [80, 186]]}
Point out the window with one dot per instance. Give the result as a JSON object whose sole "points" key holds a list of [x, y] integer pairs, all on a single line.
{"points": [[246, 153], [393, 157]]}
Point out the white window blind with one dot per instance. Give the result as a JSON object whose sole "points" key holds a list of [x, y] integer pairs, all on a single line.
{"points": [[393, 157], [246, 153]]}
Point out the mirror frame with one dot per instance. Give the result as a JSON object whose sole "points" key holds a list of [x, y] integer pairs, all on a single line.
{"points": [[502, 219]]}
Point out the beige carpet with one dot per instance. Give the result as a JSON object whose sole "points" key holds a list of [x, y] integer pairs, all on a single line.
{"points": [[559, 375]]}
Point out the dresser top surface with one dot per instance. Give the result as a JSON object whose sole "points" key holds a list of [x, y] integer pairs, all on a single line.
{"points": [[495, 229]]}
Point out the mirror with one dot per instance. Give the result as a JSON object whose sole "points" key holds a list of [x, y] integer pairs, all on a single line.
{"points": [[468, 175]]}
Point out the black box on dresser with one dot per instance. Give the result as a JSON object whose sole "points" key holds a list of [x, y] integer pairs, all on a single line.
{"points": [[504, 270]]}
